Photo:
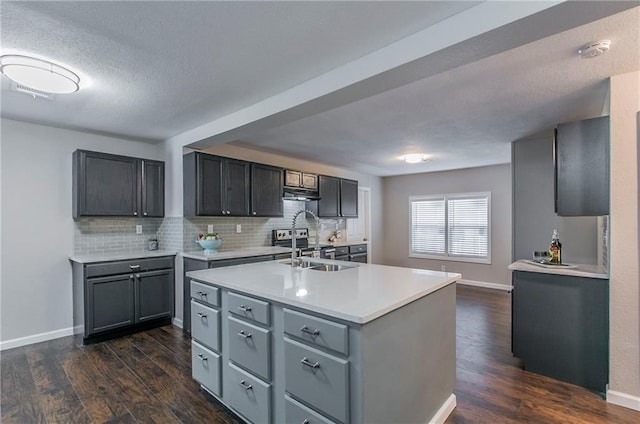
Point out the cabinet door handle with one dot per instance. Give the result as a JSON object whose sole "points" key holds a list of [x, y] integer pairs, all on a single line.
{"points": [[131, 277], [307, 330], [245, 335], [201, 315], [245, 308], [145, 214], [306, 362], [245, 385], [254, 212], [135, 214], [202, 357], [132, 267], [137, 275]]}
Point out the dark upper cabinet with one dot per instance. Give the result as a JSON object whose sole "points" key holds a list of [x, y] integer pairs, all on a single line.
{"points": [[215, 186], [114, 185], [266, 190], [581, 157], [338, 197]]}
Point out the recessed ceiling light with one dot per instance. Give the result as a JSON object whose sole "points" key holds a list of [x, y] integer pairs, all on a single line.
{"points": [[39, 74], [594, 49], [414, 158]]}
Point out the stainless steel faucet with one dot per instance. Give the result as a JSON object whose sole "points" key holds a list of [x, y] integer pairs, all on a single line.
{"points": [[295, 261]]}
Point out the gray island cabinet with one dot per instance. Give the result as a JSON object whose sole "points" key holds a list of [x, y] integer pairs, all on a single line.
{"points": [[367, 344]]}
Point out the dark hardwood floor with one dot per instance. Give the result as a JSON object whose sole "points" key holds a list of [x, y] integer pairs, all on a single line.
{"points": [[146, 377]]}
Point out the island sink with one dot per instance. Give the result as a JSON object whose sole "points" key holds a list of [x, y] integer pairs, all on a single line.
{"points": [[320, 266]]}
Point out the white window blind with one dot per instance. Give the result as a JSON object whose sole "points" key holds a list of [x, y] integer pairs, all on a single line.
{"points": [[452, 226]]}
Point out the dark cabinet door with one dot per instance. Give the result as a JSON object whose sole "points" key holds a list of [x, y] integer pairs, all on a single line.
{"points": [[582, 168], [237, 180], [209, 185], [152, 188], [348, 198], [104, 185], [266, 190], [109, 303], [154, 295], [329, 192], [560, 327]]}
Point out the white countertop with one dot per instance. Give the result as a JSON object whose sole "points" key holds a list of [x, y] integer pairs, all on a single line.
{"points": [[360, 294], [580, 270], [119, 256], [347, 243], [239, 253]]}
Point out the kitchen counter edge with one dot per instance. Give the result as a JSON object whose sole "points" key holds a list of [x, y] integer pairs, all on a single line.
{"points": [[240, 253], [120, 256], [581, 270]]}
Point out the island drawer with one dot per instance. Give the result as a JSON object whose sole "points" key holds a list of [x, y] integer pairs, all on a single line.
{"points": [[205, 325], [358, 248], [250, 347], [205, 367], [250, 308], [128, 266], [248, 395], [341, 251], [295, 412], [205, 293], [318, 378], [317, 331]]}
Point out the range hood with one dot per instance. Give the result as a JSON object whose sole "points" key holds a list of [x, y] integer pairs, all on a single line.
{"points": [[300, 194]]}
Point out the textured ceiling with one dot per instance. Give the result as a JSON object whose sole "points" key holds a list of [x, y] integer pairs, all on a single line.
{"points": [[156, 69], [468, 116]]}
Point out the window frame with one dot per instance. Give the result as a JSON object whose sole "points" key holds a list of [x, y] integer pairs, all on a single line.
{"points": [[447, 256]]}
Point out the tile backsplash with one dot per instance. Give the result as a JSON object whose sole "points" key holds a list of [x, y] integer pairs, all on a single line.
{"points": [[105, 235]]}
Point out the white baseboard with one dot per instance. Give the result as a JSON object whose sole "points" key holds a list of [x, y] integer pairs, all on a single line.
{"points": [[36, 338], [177, 322], [623, 399], [486, 285], [445, 410]]}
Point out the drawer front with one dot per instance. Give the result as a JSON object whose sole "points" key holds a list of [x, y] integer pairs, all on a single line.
{"points": [[205, 367], [358, 257], [248, 395], [205, 325], [297, 413], [250, 346], [340, 251], [128, 266], [358, 248], [318, 378], [205, 293], [249, 308], [317, 331]]}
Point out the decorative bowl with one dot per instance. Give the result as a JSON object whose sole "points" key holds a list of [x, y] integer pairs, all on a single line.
{"points": [[210, 246]]}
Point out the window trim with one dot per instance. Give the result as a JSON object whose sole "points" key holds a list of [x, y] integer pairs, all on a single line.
{"points": [[447, 257]]}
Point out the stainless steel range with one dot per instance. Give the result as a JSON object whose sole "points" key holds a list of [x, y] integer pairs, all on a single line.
{"points": [[284, 236]]}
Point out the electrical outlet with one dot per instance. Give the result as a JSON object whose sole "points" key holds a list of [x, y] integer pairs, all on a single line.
{"points": [[138, 229], [210, 228], [443, 268], [238, 228]]}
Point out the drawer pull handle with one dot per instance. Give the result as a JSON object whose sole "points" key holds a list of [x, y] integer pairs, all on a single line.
{"points": [[201, 315], [245, 385], [306, 421], [132, 267], [245, 308], [306, 329], [245, 335], [306, 362], [202, 357], [202, 294]]}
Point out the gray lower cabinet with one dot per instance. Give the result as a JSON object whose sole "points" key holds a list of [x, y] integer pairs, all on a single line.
{"points": [[113, 297], [283, 364], [560, 327]]}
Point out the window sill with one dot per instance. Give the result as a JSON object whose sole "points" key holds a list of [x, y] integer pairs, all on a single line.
{"points": [[485, 261]]}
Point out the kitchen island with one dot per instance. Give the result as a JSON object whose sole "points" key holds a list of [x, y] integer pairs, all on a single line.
{"points": [[365, 344]]}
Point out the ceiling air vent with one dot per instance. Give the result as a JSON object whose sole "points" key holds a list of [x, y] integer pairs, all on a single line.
{"points": [[32, 91]]}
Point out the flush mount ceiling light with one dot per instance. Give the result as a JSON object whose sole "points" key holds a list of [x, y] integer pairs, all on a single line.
{"points": [[39, 74], [414, 158], [594, 49]]}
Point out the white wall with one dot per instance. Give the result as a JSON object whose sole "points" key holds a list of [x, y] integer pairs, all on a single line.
{"points": [[624, 244], [495, 179], [37, 224]]}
